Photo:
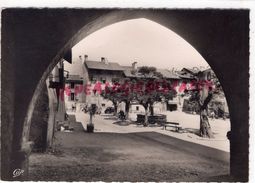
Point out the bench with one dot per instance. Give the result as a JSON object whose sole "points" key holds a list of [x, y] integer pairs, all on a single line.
{"points": [[172, 124]]}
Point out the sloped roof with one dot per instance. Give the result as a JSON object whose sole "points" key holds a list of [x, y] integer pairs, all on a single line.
{"points": [[76, 68], [127, 67], [128, 73], [192, 71], [74, 78], [168, 74], [183, 75], [103, 66]]}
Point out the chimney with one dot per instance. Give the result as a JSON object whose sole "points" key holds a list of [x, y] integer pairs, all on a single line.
{"points": [[103, 60], [85, 58], [134, 67]]}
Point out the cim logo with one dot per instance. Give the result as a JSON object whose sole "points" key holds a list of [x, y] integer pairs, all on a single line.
{"points": [[17, 172]]}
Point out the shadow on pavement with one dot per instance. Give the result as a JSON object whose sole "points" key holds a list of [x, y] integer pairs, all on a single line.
{"points": [[122, 123]]}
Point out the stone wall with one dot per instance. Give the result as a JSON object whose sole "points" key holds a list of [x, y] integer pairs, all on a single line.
{"points": [[39, 122]]}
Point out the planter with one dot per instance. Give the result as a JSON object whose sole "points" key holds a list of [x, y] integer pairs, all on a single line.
{"points": [[140, 118], [90, 128]]}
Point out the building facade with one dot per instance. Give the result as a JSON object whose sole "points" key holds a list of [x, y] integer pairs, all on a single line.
{"points": [[86, 88]]}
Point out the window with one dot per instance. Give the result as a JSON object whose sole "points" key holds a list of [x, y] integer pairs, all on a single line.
{"points": [[137, 108], [115, 80], [103, 80], [103, 105], [93, 79], [72, 96], [72, 85]]}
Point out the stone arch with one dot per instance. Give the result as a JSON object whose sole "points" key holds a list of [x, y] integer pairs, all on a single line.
{"points": [[214, 34]]}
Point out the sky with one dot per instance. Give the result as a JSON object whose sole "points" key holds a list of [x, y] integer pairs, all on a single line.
{"points": [[140, 40]]}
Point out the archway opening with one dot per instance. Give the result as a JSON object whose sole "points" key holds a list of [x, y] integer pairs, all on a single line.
{"points": [[177, 72]]}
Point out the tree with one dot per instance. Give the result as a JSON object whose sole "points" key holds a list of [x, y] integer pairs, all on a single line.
{"points": [[149, 72], [146, 91], [205, 97], [150, 92], [110, 94], [156, 90], [202, 94]]}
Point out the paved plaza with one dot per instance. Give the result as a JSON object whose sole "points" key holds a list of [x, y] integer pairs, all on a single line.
{"points": [[190, 122], [126, 153]]}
